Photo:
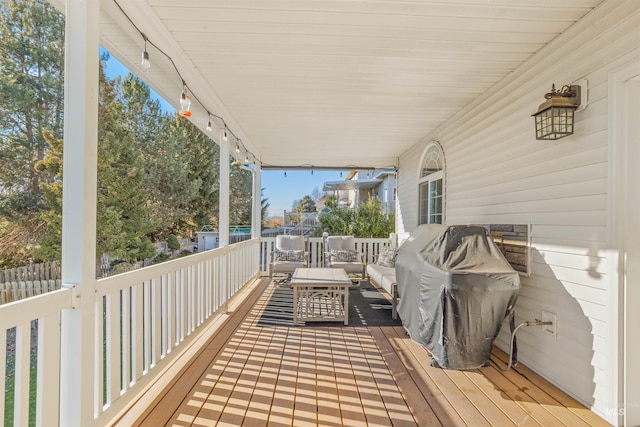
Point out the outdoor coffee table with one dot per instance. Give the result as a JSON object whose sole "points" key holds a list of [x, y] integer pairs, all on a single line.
{"points": [[320, 295]]}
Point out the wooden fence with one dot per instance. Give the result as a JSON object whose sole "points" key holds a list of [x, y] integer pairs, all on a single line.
{"points": [[34, 279]]}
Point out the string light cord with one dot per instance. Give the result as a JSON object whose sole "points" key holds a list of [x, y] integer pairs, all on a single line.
{"points": [[185, 85]]}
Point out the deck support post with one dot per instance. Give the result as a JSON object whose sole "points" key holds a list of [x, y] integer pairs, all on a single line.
{"points": [[223, 216], [256, 224], [223, 219], [78, 347]]}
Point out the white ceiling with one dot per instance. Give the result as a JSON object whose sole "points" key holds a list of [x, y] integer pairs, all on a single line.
{"points": [[333, 82]]}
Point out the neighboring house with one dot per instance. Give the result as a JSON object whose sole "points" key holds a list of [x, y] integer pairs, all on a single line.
{"points": [[360, 186], [579, 195]]}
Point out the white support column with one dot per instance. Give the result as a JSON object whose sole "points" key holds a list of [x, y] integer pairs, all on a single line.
{"points": [[256, 224], [223, 220], [78, 377]]}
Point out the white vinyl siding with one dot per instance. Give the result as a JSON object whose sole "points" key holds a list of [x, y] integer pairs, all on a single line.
{"points": [[497, 173]]}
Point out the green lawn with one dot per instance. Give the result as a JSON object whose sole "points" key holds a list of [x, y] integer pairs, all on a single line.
{"points": [[10, 387]]}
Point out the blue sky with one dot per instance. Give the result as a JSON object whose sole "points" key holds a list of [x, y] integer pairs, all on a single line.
{"points": [[280, 190]]}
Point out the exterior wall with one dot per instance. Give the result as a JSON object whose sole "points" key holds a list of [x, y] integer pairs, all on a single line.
{"points": [[497, 173], [385, 191]]}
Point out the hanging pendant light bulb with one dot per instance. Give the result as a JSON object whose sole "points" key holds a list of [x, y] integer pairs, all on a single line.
{"points": [[146, 64], [225, 138], [185, 102], [209, 127], [246, 157], [237, 147]]}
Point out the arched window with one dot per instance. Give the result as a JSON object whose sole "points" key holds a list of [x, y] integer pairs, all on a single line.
{"points": [[431, 186]]}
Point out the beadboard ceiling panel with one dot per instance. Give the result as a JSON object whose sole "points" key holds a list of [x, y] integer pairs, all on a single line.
{"points": [[333, 82]]}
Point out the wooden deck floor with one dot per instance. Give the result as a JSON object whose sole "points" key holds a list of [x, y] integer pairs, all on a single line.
{"points": [[376, 376]]}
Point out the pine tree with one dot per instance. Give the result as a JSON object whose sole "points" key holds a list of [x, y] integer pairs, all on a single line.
{"points": [[306, 205], [49, 247], [168, 185], [202, 172], [241, 191], [31, 88], [122, 215]]}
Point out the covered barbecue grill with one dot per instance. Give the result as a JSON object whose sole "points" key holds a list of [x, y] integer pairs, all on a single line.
{"points": [[456, 288]]}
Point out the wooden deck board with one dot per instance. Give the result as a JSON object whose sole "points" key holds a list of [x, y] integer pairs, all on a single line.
{"points": [[516, 414], [563, 399], [347, 376], [347, 391], [372, 403], [442, 408], [410, 393], [561, 413]]}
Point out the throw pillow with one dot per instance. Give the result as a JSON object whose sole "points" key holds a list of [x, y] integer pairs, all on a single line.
{"points": [[387, 257], [344, 256], [293, 255]]}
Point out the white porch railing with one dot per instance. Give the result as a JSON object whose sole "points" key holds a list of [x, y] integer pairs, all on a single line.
{"points": [[142, 318], [369, 248]]}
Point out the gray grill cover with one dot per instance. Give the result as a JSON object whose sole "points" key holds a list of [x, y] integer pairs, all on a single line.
{"points": [[455, 290]]}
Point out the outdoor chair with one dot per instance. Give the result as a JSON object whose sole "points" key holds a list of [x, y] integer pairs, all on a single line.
{"points": [[289, 253], [340, 252]]}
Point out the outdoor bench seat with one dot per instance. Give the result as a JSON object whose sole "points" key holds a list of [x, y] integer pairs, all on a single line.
{"points": [[385, 277]]}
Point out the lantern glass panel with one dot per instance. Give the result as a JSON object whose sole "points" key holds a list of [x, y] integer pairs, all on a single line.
{"points": [[554, 123]]}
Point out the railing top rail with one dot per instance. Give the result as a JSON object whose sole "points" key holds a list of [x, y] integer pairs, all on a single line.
{"points": [[25, 310], [120, 281]]}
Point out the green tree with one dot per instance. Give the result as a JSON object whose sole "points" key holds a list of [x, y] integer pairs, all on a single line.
{"points": [[172, 242], [336, 221], [122, 215], [202, 157], [49, 247], [307, 204], [31, 87], [241, 191], [367, 220], [169, 183], [122, 225], [264, 208]]}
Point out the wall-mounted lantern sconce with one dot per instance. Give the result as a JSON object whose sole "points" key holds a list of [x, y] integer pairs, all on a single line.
{"points": [[555, 116]]}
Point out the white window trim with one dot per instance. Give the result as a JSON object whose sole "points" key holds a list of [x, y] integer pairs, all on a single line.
{"points": [[441, 174]]}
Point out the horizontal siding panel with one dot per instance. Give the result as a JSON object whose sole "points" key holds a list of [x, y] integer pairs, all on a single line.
{"points": [[577, 327], [570, 219], [564, 302], [595, 265], [581, 284], [553, 163], [554, 361], [572, 247], [518, 202], [571, 186], [407, 214], [561, 232], [590, 260]]}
